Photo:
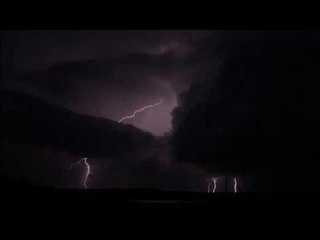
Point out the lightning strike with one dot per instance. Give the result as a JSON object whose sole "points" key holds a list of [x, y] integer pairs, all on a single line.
{"points": [[214, 185], [235, 186], [140, 110], [214, 181], [88, 170]]}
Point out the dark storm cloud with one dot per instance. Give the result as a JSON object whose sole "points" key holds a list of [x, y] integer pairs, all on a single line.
{"points": [[258, 111], [109, 88], [133, 70], [39, 50], [104, 73]]}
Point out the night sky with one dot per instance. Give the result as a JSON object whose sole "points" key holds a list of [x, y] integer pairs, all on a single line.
{"points": [[236, 104]]}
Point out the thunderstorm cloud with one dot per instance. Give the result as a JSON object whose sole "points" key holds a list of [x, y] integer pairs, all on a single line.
{"points": [[235, 103]]}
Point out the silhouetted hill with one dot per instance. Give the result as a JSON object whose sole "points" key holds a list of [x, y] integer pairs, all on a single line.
{"points": [[19, 193]]}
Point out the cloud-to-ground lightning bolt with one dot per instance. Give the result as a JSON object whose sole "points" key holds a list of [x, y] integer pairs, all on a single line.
{"points": [[214, 181], [88, 170], [140, 110], [214, 185], [235, 186]]}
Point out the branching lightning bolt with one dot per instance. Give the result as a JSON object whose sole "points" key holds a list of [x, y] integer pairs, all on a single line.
{"points": [[88, 170], [235, 186], [140, 110]]}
